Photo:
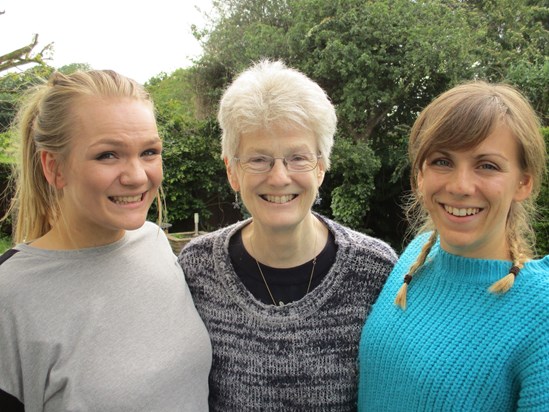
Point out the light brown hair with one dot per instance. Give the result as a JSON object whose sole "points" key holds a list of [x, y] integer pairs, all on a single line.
{"points": [[460, 119]]}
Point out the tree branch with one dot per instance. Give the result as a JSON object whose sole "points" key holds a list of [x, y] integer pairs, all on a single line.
{"points": [[24, 55]]}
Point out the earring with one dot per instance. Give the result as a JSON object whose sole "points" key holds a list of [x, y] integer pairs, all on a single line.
{"points": [[318, 199], [236, 203]]}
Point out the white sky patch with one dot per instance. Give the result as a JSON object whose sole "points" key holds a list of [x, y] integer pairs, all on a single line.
{"points": [[139, 39]]}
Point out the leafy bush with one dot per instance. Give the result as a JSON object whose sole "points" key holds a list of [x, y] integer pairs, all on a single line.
{"points": [[194, 175], [541, 225]]}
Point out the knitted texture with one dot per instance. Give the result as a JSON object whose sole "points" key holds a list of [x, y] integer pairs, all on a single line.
{"points": [[457, 347], [302, 356]]}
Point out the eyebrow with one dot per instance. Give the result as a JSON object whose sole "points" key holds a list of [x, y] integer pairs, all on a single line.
{"points": [[479, 156], [113, 141], [293, 149]]}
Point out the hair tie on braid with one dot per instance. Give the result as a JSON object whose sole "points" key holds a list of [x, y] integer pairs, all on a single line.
{"points": [[506, 282], [514, 270], [400, 299]]}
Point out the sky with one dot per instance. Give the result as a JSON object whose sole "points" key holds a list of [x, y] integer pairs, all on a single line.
{"points": [[139, 39]]}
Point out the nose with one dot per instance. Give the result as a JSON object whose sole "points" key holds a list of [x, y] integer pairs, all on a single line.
{"points": [[279, 173], [461, 182], [133, 173]]}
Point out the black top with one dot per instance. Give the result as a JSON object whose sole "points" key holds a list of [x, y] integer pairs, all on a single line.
{"points": [[288, 284]]}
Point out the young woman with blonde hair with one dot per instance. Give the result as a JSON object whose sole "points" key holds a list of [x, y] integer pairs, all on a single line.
{"points": [[95, 313], [469, 328]]}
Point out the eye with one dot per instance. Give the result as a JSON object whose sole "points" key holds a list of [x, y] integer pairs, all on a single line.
{"points": [[300, 157], [489, 166], [442, 162], [106, 155], [259, 159], [151, 152]]}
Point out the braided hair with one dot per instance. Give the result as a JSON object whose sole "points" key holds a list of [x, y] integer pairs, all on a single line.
{"points": [[460, 119]]}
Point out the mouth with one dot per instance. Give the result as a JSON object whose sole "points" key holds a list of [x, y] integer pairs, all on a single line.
{"points": [[278, 199], [462, 211], [124, 200]]}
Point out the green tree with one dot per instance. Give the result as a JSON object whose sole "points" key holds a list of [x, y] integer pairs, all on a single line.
{"points": [[381, 62], [541, 225]]}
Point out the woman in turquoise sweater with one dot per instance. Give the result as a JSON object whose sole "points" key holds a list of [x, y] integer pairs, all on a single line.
{"points": [[471, 332]]}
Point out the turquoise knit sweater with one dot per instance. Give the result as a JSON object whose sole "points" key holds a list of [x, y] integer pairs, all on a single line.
{"points": [[457, 347]]}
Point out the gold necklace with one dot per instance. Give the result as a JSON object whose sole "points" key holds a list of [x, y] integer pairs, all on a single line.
{"points": [[280, 303]]}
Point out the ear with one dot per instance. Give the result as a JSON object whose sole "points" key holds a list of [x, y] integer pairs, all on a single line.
{"points": [[320, 173], [231, 175], [51, 168], [419, 181], [524, 188]]}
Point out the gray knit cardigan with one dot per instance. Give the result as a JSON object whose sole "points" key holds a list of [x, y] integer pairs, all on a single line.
{"points": [[299, 357]]}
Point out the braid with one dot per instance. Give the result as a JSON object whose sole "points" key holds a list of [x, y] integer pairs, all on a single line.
{"points": [[400, 299], [505, 283]]}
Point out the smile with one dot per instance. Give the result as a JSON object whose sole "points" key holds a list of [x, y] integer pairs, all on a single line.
{"points": [[468, 211], [278, 199], [124, 200]]}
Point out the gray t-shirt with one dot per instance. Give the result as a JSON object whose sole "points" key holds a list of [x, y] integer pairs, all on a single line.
{"points": [[110, 328]]}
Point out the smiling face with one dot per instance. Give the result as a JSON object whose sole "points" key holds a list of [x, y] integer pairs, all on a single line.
{"points": [[277, 199], [469, 193], [113, 170]]}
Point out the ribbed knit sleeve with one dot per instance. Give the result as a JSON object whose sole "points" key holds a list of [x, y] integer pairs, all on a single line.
{"points": [[457, 347], [299, 357]]}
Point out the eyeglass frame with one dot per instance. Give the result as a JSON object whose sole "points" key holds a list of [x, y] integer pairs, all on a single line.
{"points": [[273, 160]]}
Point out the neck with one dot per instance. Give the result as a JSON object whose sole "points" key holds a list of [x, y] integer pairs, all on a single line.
{"points": [[58, 238], [288, 247]]}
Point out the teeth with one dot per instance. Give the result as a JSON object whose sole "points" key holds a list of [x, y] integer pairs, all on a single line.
{"points": [[462, 212], [279, 199], [122, 200]]}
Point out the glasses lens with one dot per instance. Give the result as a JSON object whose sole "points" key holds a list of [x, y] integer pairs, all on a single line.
{"points": [[297, 162], [257, 164], [301, 162]]}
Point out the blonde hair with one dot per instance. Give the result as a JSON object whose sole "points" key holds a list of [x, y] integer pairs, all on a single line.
{"points": [[45, 122], [460, 119], [270, 94]]}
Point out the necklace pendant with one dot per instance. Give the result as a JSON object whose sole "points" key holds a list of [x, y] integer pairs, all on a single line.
{"points": [[280, 303]]}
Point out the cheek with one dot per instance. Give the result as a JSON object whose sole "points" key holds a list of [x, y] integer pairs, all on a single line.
{"points": [[156, 173]]}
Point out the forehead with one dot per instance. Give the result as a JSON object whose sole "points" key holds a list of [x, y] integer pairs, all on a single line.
{"points": [[278, 139], [500, 141], [94, 116]]}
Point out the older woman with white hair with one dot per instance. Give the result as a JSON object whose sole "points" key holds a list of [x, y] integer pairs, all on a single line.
{"points": [[284, 293]]}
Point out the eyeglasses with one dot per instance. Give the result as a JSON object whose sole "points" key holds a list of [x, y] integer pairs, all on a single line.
{"points": [[296, 163]]}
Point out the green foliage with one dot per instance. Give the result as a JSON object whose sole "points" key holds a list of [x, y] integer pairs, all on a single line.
{"points": [[73, 67], [13, 86], [7, 148], [381, 62], [541, 225], [194, 175], [533, 80], [174, 94], [5, 243], [354, 166]]}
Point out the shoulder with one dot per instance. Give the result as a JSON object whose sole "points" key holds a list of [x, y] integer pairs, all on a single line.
{"points": [[150, 231], [535, 277], [150, 227], [354, 242], [7, 254]]}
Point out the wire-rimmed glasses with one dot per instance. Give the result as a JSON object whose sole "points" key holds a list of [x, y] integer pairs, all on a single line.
{"points": [[295, 163]]}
